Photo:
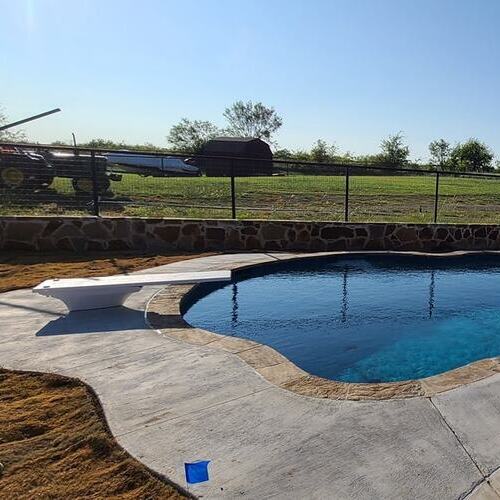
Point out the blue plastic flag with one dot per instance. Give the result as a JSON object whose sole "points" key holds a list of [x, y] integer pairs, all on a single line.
{"points": [[196, 472]]}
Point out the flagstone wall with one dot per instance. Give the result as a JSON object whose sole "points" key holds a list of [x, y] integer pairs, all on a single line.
{"points": [[81, 234]]}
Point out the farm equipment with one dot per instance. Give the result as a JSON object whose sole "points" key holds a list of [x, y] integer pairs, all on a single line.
{"points": [[22, 169], [79, 168], [32, 170]]}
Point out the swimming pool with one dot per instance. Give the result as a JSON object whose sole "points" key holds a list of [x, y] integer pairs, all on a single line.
{"points": [[362, 319]]}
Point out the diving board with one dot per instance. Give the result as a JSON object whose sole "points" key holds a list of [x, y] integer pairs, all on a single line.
{"points": [[109, 291]]}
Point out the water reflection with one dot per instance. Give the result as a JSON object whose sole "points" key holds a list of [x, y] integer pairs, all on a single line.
{"points": [[344, 303], [345, 297], [431, 293], [234, 300], [361, 320]]}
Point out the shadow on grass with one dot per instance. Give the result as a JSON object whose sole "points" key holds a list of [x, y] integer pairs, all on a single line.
{"points": [[53, 201]]}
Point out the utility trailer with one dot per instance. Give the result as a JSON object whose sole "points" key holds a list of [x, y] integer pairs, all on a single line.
{"points": [[78, 168]]}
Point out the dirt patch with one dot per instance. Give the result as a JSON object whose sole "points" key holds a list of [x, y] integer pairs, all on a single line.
{"points": [[54, 443], [28, 270]]}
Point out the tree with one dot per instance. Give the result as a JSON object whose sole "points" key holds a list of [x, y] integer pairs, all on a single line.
{"points": [[300, 155], [189, 136], [10, 135], [322, 152], [472, 156], [111, 144], [284, 154], [440, 151], [394, 151], [252, 120]]}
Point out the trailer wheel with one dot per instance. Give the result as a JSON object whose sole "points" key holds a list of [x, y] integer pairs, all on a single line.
{"points": [[84, 185], [13, 177]]}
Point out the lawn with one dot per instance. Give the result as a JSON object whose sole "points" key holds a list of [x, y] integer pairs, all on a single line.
{"points": [[293, 197]]}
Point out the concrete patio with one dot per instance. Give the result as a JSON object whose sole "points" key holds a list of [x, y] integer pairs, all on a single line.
{"points": [[168, 402]]}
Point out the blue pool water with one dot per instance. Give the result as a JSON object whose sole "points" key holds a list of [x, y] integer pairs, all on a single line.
{"points": [[370, 319]]}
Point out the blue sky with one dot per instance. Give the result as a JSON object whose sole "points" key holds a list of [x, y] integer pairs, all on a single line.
{"points": [[347, 71]]}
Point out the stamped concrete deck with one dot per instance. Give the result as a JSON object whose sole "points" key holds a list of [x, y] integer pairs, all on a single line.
{"points": [[168, 402]]}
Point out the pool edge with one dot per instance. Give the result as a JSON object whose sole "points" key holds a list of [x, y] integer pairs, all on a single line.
{"points": [[164, 314]]}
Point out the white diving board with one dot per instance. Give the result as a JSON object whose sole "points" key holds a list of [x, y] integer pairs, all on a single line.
{"points": [[109, 291]]}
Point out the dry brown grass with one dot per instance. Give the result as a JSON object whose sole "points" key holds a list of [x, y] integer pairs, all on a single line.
{"points": [[29, 269], [54, 444]]}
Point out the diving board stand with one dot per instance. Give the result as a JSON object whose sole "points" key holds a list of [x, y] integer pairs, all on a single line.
{"points": [[109, 291]]}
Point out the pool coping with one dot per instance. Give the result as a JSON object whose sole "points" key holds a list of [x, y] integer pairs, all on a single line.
{"points": [[164, 314]]}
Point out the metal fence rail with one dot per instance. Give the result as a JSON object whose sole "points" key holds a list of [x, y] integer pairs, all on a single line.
{"points": [[40, 180]]}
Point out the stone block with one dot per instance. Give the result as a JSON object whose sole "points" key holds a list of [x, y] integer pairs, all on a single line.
{"points": [[167, 233], [335, 232], [96, 231], [118, 245], [303, 236], [68, 230], [23, 231], [376, 231], [273, 231], [77, 233], [96, 246], [19, 245], [216, 233], [139, 226], [252, 243], [190, 229], [441, 233], [51, 227], [273, 246], [251, 230], [406, 234]]}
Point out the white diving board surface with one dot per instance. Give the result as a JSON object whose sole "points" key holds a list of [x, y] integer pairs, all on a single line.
{"points": [[109, 291]]}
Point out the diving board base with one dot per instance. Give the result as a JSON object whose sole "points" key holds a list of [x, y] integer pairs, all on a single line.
{"points": [[76, 300]]}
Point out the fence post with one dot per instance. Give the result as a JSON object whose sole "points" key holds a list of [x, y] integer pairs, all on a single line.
{"points": [[346, 199], [95, 187], [436, 198], [233, 192]]}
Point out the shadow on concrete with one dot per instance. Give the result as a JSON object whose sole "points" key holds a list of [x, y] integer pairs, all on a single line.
{"points": [[165, 321], [96, 321]]}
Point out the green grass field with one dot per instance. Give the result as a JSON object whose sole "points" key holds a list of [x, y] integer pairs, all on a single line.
{"points": [[305, 197]]}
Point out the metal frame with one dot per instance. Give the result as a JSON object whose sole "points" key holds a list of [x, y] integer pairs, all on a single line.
{"points": [[333, 168]]}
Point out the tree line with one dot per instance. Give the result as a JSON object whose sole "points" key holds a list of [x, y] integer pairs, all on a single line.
{"points": [[257, 120], [248, 119]]}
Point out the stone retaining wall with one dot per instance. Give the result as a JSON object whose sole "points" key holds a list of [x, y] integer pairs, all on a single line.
{"points": [[93, 233]]}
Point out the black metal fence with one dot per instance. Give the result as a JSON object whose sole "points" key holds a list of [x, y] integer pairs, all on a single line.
{"points": [[42, 180]]}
